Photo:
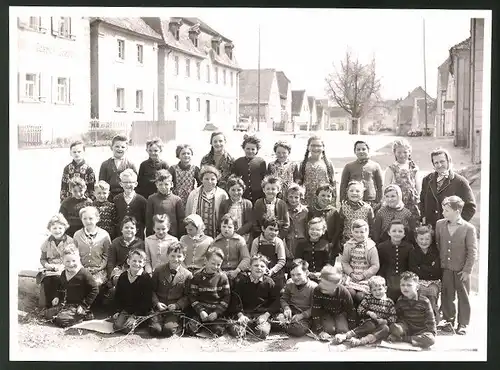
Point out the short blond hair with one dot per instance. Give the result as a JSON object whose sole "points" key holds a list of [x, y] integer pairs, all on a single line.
{"points": [[101, 184], [128, 173], [88, 209], [58, 219]]}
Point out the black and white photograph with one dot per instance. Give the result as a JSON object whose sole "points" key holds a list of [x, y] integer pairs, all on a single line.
{"points": [[242, 184]]}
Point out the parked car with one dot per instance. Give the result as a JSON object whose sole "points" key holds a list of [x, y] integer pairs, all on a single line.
{"points": [[243, 125]]}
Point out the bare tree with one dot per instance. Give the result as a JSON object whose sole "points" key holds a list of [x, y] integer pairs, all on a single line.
{"points": [[354, 87]]}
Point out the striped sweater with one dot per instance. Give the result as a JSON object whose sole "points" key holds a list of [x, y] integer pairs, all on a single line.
{"points": [[340, 302], [417, 314], [384, 308], [209, 292]]}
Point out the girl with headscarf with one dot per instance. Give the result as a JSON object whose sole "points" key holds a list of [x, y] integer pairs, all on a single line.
{"points": [[393, 208]]}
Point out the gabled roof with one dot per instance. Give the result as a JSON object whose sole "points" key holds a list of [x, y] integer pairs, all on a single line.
{"points": [[319, 110], [444, 72], [418, 92], [312, 102], [462, 45], [135, 25], [297, 100], [283, 83], [249, 80], [204, 27]]}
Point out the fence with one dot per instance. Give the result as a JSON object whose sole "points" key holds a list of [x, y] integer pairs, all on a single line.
{"points": [[142, 131], [29, 136], [100, 132]]}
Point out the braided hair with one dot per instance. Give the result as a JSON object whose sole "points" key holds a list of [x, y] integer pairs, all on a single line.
{"points": [[214, 134], [329, 168]]}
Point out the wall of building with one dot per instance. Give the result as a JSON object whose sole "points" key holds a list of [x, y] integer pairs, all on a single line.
{"points": [[128, 74], [274, 102], [477, 49], [462, 86], [50, 58]]}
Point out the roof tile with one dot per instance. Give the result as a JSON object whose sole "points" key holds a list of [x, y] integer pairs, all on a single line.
{"points": [[297, 101], [136, 25], [248, 79]]}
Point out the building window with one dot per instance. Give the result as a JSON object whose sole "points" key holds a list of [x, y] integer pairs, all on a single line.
{"points": [[176, 65], [208, 73], [176, 103], [35, 23], [232, 79], [139, 100], [224, 80], [176, 34], [188, 67], [140, 53], [216, 75], [195, 42], [121, 49], [62, 90], [198, 70], [31, 87], [188, 104], [120, 98], [64, 26], [198, 105]]}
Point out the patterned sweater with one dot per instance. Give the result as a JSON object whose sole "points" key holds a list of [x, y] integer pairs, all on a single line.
{"points": [[417, 314], [81, 289], [136, 297], [147, 175], [185, 180], [299, 300], [172, 206], [107, 216], [245, 214], [209, 292], [349, 212], [254, 297], [81, 170], [288, 172], [384, 308], [70, 208], [383, 221], [340, 302], [225, 167]]}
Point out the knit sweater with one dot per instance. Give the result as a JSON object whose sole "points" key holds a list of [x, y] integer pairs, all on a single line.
{"points": [[195, 250], [235, 251], [81, 170], [426, 265], [255, 298], [70, 208], [81, 289], [134, 298], [298, 299], [136, 208], [225, 166], [383, 307], [340, 302], [458, 251], [332, 218], [393, 258], [369, 172], [171, 290], [156, 251], [252, 171], [119, 250], [247, 214], [147, 176], [383, 222], [281, 214], [417, 314], [93, 251], [172, 206], [209, 292], [317, 254], [111, 174], [51, 250], [107, 216]]}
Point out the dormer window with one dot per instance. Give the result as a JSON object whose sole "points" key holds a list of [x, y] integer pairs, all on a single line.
{"points": [[228, 48], [194, 32], [216, 41], [174, 27]]}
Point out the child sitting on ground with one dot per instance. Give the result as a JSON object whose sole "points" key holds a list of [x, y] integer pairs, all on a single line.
{"points": [[185, 176], [377, 312], [134, 291], [393, 209], [129, 203], [209, 295], [359, 261], [164, 202], [77, 291], [393, 256], [77, 169], [195, 242], [146, 177], [234, 247], [425, 262], [170, 292], [93, 245], [112, 168], [415, 318], [240, 208], [323, 207], [51, 259], [332, 307], [354, 208], [271, 206], [271, 246], [156, 245], [296, 300], [107, 209], [255, 300], [314, 249], [119, 250], [71, 206], [298, 216], [457, 244]]}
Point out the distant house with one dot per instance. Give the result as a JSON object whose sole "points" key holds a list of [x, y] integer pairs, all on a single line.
{"points": [[411, 112], [338, 119], [270, 100], [313, 115], [285, 89], [322, 113], [300, 109], [445, 100]]}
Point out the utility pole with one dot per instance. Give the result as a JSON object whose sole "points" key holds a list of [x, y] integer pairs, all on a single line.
{"points": [[258, 86], [425, 81]]}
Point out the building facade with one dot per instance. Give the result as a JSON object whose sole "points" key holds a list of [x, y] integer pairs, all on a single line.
{"points": [[313, 114], [197, 75], [285, 89], [124, 60], [300, 110], [476, 88], [445, 100], [53, 75]]}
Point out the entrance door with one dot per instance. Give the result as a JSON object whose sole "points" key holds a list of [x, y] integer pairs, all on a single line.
{"points": [[207, 112]]}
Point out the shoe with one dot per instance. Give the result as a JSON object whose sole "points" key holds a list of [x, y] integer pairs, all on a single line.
{"points": [[354, 342], [461, 329], [88, 316], [446, 327]]}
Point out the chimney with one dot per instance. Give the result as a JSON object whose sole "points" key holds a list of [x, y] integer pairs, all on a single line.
{"points": [[228, 48]]}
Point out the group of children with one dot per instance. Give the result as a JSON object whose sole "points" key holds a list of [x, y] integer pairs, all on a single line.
{"points": [[211, 248]]}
